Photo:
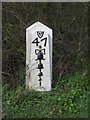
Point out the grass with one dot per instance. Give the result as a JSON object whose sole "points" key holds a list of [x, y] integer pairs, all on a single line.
{"points": [[69, 99]]}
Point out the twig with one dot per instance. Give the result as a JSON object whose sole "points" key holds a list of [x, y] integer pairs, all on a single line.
{"points": [[7, 74]]}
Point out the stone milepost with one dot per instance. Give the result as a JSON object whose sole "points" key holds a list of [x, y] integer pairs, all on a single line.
{"points": [[38, 57]]}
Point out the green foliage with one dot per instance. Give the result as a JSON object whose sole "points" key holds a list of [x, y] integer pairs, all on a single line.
{"points": [[68, 99]]}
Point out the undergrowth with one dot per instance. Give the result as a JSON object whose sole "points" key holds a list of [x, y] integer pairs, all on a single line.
{"points": [[68, 99]]}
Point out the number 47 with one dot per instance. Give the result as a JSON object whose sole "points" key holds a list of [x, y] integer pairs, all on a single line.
{"points": [[36, 41]]}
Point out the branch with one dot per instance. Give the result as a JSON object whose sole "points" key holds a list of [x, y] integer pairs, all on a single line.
{"points": [[7, 74]]}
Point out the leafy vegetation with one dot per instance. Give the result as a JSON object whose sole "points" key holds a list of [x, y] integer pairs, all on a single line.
{"points": [[68, 99], [69, 95]]}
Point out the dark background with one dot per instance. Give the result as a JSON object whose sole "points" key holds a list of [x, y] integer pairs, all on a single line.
{"points": [[69, 22]]}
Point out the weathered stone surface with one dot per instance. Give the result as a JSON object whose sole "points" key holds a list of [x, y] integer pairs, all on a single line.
{"points": [[38, 35]]}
